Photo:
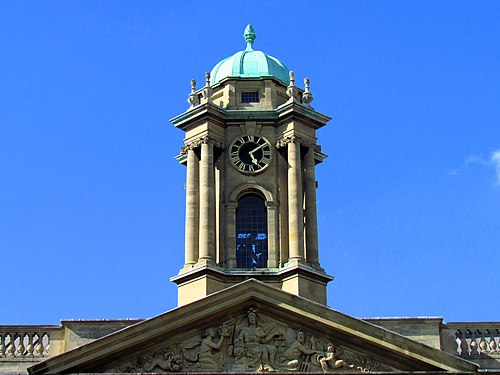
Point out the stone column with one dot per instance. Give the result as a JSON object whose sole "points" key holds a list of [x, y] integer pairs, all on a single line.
{"points": [[295, 210], [192, 200], [311, 213], [207, 203]]}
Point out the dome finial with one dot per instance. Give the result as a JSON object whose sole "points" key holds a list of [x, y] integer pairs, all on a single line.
{"points": [[249, 36]]}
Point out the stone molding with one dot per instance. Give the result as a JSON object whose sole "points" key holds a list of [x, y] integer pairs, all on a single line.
{"points": [[238, 190], [199, 141], [282, 143]]}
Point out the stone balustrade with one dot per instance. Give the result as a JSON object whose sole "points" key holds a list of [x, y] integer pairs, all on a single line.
{"points": [[477, 339], [22, 346], [23, 342], [474, 341]]}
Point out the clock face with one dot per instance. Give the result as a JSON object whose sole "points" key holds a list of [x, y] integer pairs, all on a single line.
{"points": [[250, 153]]}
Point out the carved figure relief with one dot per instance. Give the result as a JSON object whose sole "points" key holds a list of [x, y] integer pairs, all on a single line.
{"points": [[257, 347], [330, 361], [299, 354], [252, 343]]}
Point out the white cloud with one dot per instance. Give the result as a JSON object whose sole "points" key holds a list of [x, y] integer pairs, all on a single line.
{"points": [[473, 159], [492, 161], [495, 161]]}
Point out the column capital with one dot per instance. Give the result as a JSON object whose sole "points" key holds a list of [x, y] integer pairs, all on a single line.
{"points": [[199, 141], [282, 143]]}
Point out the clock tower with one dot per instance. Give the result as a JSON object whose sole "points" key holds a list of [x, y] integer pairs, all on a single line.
{"points": [[250, 150]]}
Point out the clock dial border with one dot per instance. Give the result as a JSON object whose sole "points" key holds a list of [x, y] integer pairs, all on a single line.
{"points": [[247, 144]]}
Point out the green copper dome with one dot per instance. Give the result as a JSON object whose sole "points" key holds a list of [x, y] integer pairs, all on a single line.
{"points": [[249, 64]]}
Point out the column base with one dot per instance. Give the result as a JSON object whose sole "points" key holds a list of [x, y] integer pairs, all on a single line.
{"points": [[293, 262], [204, 263], [187, 267]]}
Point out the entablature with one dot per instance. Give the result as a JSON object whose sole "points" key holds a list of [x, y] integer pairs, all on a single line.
{"points": [[224, 117]]}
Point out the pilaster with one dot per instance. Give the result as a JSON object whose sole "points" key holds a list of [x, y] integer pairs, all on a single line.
{"points": [[272, 230], [230, 209]]}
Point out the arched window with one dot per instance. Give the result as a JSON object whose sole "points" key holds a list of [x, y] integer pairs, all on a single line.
{"points": [[251, 232]]}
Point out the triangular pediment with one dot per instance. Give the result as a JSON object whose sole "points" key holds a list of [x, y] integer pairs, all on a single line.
{"points": [[253, 327]]}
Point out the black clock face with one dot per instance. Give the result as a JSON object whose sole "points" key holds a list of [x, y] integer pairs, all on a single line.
{"points": [[250, 153]]}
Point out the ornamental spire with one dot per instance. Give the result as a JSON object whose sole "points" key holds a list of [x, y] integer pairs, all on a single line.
{"points": [[249, 36], [307, 96], [207, 90], [292, 90], [193, 99]]}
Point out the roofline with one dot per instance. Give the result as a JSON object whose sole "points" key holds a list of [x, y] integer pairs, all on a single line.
{"points": [[393, 346]]}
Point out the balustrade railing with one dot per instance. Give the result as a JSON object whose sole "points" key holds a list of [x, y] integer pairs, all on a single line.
{"points": [[24, 344], [478, 340]]}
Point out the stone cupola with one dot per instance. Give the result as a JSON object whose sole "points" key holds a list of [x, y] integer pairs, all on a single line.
{"points": [[250, 149]]}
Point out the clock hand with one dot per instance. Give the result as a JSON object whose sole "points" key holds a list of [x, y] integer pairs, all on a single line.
{"points": [[257, 148]]}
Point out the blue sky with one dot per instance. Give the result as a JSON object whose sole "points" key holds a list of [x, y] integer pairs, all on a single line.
{"points": [[92, 201]]}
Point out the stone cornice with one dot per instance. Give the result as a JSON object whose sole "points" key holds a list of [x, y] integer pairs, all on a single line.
{"points": [[221, 116], [198, 114], [296, 110]]}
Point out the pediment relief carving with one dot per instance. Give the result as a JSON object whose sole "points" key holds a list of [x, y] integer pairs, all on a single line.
{"points": [[252, 342]]}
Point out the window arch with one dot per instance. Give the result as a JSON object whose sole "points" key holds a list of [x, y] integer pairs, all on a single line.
{"points": [[251, 232]]}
